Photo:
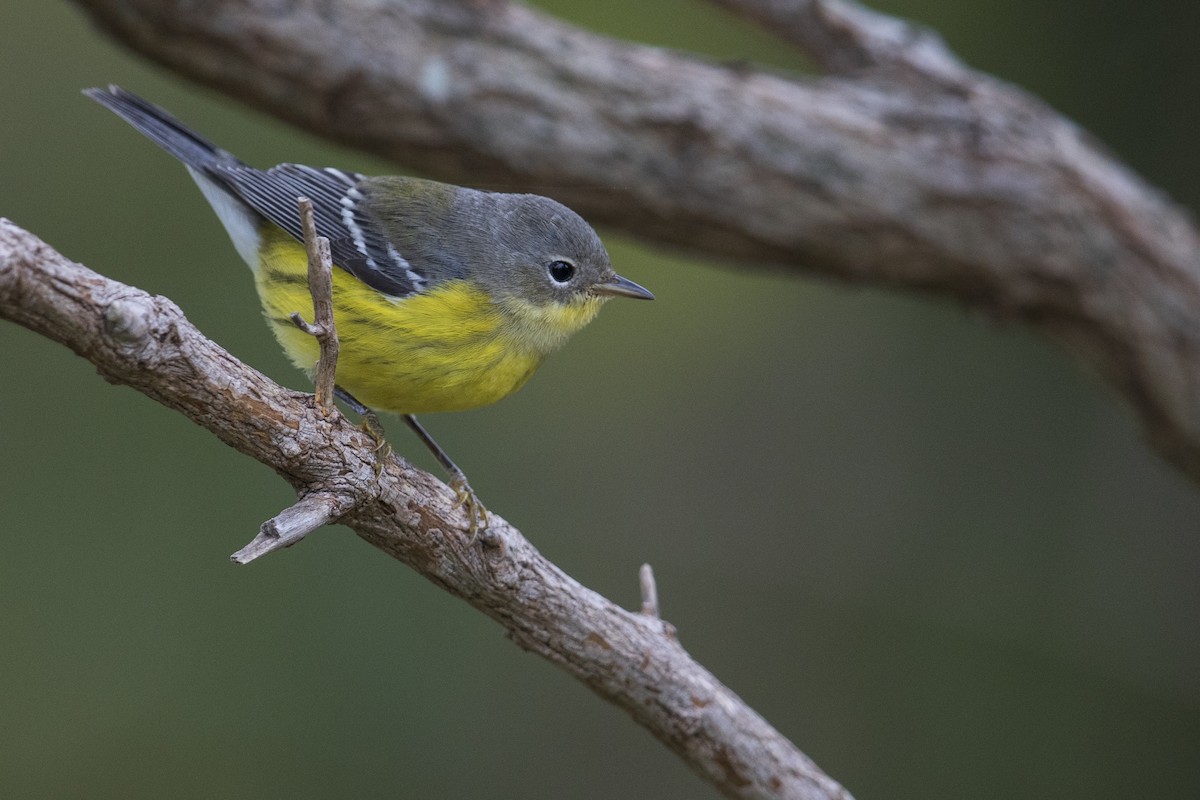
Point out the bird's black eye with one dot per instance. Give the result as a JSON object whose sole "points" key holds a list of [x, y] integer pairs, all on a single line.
{"points": [[561, 271]]}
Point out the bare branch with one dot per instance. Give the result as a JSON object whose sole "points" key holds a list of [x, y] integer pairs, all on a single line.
{"points": [[843, 37], [310, 512], [924, 176], [145, 342], [649, 591]]}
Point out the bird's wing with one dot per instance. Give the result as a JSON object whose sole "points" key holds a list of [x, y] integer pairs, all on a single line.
{"points": [[357, 242]]}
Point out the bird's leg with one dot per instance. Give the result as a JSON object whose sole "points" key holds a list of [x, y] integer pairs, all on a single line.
{"points": [[369, 422], [476, 513], [472, 507]]}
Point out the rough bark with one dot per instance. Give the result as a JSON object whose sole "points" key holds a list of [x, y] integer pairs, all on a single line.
{"points": [[904, 169], [631, 659]]}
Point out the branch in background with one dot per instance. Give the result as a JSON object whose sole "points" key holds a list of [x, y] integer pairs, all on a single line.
{"points": [[916, 173], [629, 659], [841, 36]]}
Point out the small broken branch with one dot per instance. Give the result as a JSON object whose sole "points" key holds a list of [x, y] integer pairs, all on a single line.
{"points": [[649, 591], [310, 512]]}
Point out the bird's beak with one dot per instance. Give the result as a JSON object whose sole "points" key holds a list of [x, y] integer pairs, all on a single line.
{"points": [[616, 286]]}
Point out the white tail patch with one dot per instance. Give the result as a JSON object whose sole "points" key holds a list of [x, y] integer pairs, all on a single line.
{"points": [[240, 221]]}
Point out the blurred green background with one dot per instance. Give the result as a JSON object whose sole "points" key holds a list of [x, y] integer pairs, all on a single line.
{"points": [[931, 550]]}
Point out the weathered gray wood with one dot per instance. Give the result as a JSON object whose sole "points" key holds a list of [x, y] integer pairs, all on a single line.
{"points": [[311, 511]]}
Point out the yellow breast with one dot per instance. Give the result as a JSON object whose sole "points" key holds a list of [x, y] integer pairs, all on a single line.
{"points": [[448, 349]]}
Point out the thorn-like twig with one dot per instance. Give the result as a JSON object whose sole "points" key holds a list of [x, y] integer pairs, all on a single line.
{"points": [[649, 591], [320, 285], [293, 524]]}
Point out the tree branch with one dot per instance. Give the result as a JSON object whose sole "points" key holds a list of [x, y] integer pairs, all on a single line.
{"points": [[843, 37], [627, 658], [918, 174], [289, 526]]}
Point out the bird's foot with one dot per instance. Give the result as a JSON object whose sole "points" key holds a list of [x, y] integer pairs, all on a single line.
{"points": [[477, 515], [371, 426]]}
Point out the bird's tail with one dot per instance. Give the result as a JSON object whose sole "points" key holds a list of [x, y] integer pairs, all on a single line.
{"points": [[204, 160], [161, 128]]}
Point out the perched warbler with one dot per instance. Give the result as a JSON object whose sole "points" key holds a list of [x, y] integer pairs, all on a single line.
{"points": [[445, 298]]}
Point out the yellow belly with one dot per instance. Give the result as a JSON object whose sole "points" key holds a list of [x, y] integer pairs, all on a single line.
{"points": [[448, 349]]}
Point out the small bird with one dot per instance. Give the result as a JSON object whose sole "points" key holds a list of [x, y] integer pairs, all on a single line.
{"points": [[445, 298]]}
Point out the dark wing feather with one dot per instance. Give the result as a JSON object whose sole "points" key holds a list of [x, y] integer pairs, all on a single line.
{"points": [[356, 241]]}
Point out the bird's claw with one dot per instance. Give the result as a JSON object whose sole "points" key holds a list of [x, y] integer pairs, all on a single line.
{"points": [[370, 425], [468, 501]]}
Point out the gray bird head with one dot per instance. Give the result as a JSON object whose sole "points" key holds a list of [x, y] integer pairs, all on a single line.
{"points": [[521, 247], [545, 253]]}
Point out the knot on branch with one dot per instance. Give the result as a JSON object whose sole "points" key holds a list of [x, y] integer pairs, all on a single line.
{"points": [[127, 321]]}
